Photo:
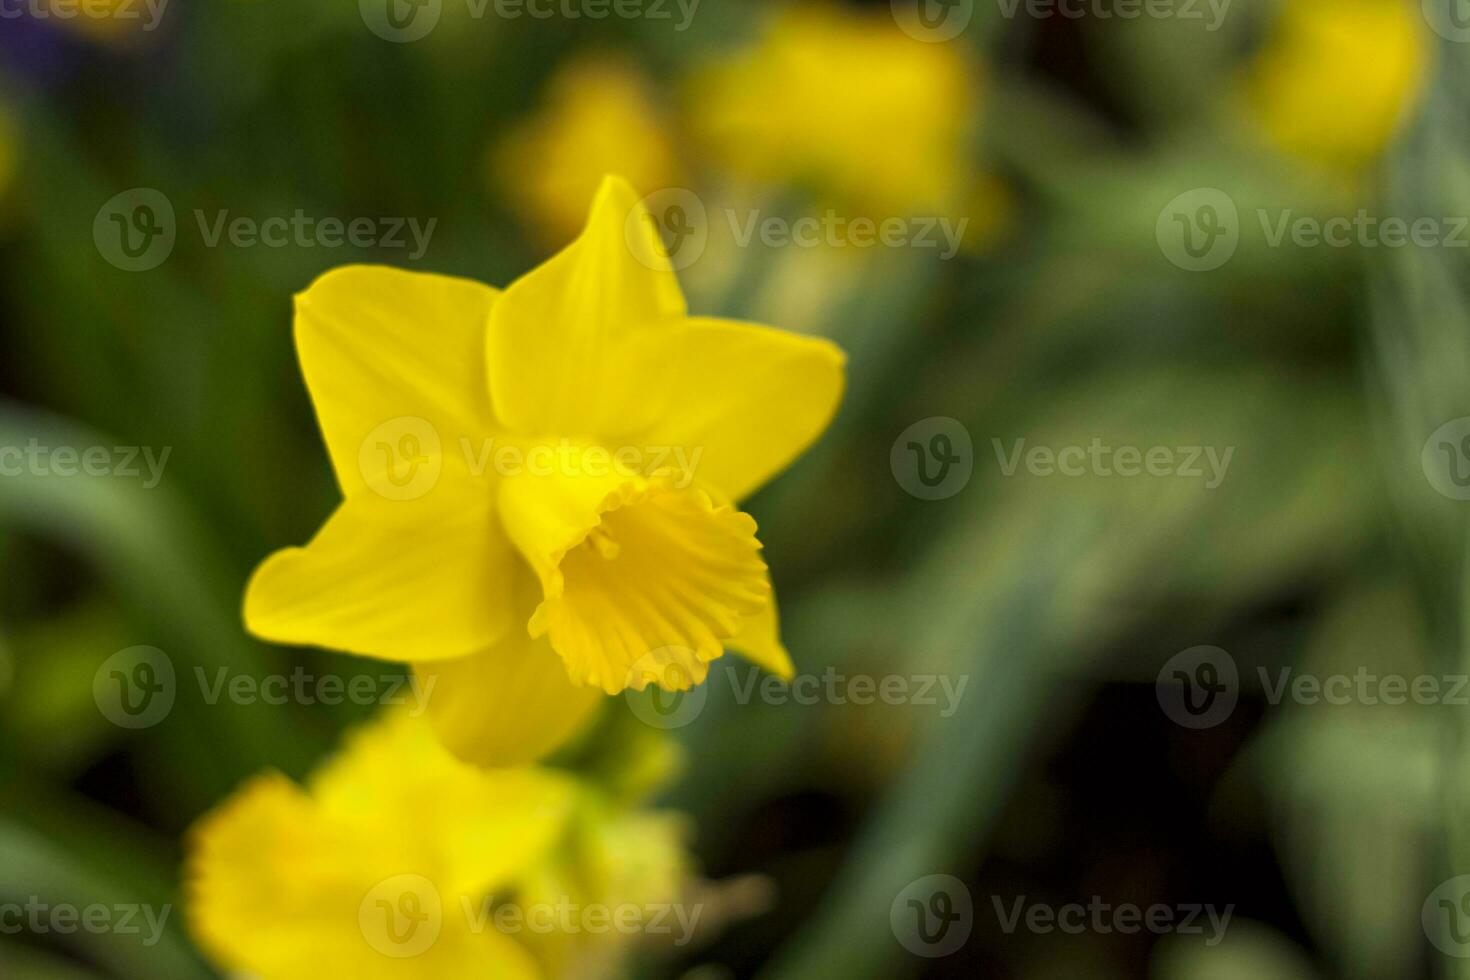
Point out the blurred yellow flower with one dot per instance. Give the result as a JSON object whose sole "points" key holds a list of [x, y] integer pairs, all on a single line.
{"points": [[9, 150], [616, 859], [844, 103], [398, 860], [111, 21], [1337, 78], [541, 483], [598, 117]]}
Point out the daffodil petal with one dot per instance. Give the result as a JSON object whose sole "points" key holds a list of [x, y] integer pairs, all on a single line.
{"points": [[554, 330], [749, 399], [474, 829], [246, 879], [759, 641], [509, 704], [394, 362], [401, 580]]}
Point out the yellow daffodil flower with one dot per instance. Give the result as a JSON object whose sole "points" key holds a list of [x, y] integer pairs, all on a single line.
{"points": [[541, 483], [599, 116], [846, 103], [1337, 78], [400, 861]]}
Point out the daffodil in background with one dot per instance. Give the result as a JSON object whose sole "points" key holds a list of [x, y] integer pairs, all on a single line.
{"points": [[115, 22], [614, 858], [598, 116], [512, 524], [1337, 79], [9, 150], [399, 860], [844, 104], [835, 112]]}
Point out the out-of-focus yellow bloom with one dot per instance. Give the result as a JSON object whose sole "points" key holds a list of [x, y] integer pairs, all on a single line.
{"points": [[541, 484], [615, 859], [845, 103], [111, 21], [9, 150], [1337, 78], [598, 117], [399, 861]]}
